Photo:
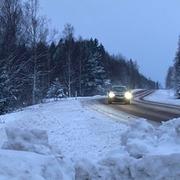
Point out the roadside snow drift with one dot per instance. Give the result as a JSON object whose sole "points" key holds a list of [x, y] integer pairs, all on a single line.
{"points": [[27, 140], [163, 96], [146, 153], [27, 155], [18, 165], [45, 145]]}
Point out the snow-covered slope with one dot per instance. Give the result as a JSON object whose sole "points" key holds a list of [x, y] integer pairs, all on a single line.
{"points": [[163, 96], [67, 140], [77, 131]]}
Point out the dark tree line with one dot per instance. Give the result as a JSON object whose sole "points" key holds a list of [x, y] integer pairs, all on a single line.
{"points": [[173, 74], [31, 67], [88, 69]]}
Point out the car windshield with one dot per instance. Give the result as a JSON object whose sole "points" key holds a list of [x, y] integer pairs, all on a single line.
{"points": [[121, 88]]}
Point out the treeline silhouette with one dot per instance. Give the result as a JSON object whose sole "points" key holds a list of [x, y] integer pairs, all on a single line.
{"points": [[32, 64]]}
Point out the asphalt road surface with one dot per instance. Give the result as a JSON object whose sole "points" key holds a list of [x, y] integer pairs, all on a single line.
{"points": [[149, 110]]}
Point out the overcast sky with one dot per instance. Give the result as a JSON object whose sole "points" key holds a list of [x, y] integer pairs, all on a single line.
{"points": [[144, 30]]}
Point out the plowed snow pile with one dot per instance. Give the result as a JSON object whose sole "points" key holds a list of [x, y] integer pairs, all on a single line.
{"points": [[139, 150], [146, 153], [27, 156]]}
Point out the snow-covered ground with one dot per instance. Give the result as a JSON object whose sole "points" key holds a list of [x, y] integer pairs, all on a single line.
{"points": [[163, 96], [69, 140], [77, 131]]}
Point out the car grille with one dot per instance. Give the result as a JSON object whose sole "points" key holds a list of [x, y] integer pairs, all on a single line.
{"points": [[119, 95]]}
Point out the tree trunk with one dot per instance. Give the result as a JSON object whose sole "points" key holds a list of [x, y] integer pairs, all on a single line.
{"points": [[69, 74]]}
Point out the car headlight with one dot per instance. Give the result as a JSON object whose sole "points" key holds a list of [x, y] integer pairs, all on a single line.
{"points": [[111, 94], [128, 95]]}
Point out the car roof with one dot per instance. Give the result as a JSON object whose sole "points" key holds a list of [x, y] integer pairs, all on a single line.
{"points": [[118, 86]]}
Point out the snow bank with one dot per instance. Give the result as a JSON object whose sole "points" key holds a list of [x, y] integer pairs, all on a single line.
{"points": [[138, 139], [85, 170], [141, 138], [27, 140], [170, 132], [147, 153], [27, 155], [157, 167], [147, 168], [18, 165], [163, 96]]}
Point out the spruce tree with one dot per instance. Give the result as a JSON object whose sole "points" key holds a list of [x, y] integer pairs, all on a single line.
{"points": [[177, 68], [170, 78]]}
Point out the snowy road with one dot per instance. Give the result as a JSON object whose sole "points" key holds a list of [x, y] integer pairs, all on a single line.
{"points": [[152, 111]]}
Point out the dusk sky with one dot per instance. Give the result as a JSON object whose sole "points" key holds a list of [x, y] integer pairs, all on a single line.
{"points": [[146, 31]]}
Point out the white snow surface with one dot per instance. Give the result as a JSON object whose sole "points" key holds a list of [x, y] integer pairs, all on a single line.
{"points": [[163, 96], [18, 165], [67, 140], [76, 131]]}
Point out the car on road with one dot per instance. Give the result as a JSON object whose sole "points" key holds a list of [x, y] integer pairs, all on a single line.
{"points": [[119, 94]]}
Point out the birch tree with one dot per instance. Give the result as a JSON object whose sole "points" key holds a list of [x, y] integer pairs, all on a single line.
{"points": [[36, 32], [69, 39]]}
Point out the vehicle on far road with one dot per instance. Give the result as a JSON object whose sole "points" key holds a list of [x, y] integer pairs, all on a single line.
{"points": [[119, 94]]}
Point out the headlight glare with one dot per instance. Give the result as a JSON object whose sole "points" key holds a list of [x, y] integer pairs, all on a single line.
{"points": [[128, 95], [111, 94]]}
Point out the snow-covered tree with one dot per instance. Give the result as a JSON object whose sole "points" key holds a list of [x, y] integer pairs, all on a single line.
{"points": [[36, 33], [56, 90], [68, 69], [177, 68], [94, 76], [170, 78]]}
